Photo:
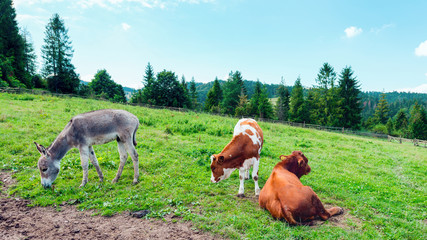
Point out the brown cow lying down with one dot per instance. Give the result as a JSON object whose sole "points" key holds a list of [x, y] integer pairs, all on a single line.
{"points": [[284, 196]]}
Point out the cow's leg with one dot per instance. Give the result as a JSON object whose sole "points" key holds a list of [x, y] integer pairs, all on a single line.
{"points": [[134, 155], [247, 174], [95, 163], [242, 182], [123, 158], [287, 215], [84, 158], [322, 212], [255, 176]]}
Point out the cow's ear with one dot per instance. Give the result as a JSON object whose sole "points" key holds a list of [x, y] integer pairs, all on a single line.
{"points": [[282, 157], [41, 149], [300, 161], [221, 159]]}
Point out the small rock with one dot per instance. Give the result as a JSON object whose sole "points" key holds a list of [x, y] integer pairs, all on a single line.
{"points": [[56, 226], [140, 214]]}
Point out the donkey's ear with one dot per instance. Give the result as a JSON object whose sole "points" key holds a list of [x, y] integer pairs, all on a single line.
{"points": [[41, 149]]}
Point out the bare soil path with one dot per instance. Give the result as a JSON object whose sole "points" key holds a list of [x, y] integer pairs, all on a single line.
{"points": [[18, 221]]}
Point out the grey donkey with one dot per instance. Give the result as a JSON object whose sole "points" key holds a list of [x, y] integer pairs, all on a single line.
{"points": [[85, 130]]}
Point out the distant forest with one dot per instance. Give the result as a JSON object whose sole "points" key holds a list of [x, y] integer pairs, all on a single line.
{"points": [[336, 99]]}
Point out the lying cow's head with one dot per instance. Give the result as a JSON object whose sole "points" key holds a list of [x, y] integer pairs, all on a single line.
{"points": [[219, 171], [296, 163]]}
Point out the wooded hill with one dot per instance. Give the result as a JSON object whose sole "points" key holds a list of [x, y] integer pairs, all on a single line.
{"points": [[370, 99]]}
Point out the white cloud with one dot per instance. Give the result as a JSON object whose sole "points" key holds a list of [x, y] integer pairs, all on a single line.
{"points": [[419, 89], [382, 28], [125, 26], [87, 77], [30, 18], [111, 4], [421, 50], [352, 31]]}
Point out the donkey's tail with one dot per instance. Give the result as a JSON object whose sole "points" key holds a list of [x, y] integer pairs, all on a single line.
{"points": [[134, 136]]}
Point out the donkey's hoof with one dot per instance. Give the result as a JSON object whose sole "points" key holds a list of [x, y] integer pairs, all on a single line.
{"points": [[115, 180], [241, 195], [82, 185], [135, 182]]}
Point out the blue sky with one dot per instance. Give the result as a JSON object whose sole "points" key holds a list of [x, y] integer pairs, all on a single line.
{"points": [[385, 42]]}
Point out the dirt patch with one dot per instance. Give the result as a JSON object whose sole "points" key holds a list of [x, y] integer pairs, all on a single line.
{"points": [[18, 221]]}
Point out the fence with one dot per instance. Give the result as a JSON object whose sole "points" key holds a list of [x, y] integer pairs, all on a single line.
{"points": [[416, 142]]}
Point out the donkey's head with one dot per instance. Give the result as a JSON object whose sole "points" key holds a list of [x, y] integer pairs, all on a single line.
{"points": [[49, 168]]}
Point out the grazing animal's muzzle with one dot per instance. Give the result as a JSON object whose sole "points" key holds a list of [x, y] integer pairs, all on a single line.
{"points": [[46, 183]]}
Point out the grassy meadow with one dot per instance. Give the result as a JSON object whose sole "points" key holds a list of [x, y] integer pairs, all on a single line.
{"points": [[381, 185]]}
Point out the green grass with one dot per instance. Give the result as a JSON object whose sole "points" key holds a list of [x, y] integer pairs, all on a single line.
{"points": [[381, 185]]}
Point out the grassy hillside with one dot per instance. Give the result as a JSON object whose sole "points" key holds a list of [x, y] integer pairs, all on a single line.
{"points": [[381, 185]]}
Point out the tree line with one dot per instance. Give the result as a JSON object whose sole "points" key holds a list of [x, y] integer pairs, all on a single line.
{"points": [[333, 101], [18, 66]]}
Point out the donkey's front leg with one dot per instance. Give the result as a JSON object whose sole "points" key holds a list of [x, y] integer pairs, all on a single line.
{"points": [[95, 163], [84, 158]]}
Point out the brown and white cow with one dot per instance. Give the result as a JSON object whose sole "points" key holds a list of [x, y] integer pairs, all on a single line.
{"points": [[285, 197], [241, 153]]}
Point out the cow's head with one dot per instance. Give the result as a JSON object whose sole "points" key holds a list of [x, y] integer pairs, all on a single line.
{"points": [[296, 163], [49, 169], [219, 172]]}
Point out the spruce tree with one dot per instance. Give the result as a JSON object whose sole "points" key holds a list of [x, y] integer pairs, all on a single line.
{"points": [[187, 103], [349, 93], [296, 105], [103, 86], [12, 49], [233, 88], [327, 97], [193, 93], [282, 105], [418, 122], [401, 121], [57, 53], [381, 111], [265, 107], [148, 90], [214, 97]]}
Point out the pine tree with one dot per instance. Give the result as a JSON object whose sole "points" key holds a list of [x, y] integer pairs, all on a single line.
{"points": [[148, 90], [255, 99], [265, 107], [57, 53], [103, 86], [349, 93], [282, 105], [187, 103], [260, 105], [327, 101], [233, 88], [193, 93], [296, 105], [381, 111], [167, 91], [12, 49], [214, 97], [401, 121], [418, 122], [243, 108]]}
